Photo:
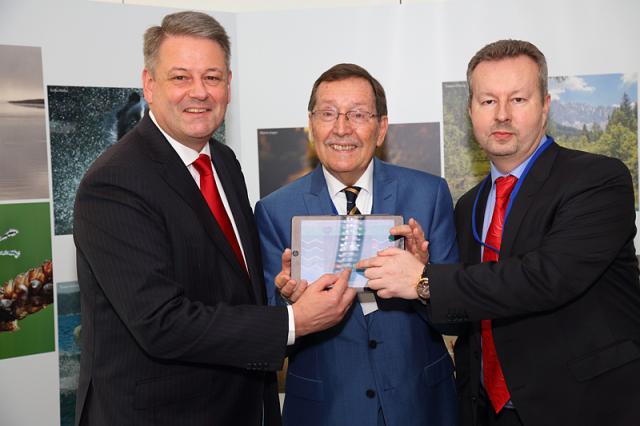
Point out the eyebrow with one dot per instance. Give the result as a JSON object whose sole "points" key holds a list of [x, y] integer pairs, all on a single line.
{"points": [[353, 105], [215, 69]]}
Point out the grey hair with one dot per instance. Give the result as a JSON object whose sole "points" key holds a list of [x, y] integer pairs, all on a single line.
{"points": [[191, 24]]}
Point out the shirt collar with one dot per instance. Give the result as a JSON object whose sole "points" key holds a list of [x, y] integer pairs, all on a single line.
{"points": [[186, 154], [365, 182], [517, 172]]}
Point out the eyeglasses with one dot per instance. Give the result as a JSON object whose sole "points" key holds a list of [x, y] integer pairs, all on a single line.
{"points": [[354, 117]]}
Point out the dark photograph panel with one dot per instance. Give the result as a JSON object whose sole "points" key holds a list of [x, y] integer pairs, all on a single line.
{"points": [[83, 122]]}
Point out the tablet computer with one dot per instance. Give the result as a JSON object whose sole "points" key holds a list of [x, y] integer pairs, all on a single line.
{"points": [[329, 244]]}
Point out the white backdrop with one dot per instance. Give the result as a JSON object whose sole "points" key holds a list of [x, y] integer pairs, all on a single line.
{"points": [[277, 56]]}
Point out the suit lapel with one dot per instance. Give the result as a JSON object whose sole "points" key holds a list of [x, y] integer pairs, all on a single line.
{"points": [[173, 171], [240, 220], [385, 188], [475, 247], [317, 200], [533, 182]]}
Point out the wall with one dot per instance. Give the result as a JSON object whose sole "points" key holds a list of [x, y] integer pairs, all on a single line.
{"points": [[411, 49]]}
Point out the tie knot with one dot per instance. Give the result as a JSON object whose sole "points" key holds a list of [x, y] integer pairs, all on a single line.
{"points": [[504, 186], [352, 193], [203, 165]]}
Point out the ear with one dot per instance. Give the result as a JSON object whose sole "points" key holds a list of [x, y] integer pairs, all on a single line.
{"points": [[310, 132], [229, 87], [546, 105], [383, 126], [147, 85]]}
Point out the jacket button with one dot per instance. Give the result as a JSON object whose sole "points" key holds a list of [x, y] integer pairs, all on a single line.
{"points": [[371, 393], [373, 344]]}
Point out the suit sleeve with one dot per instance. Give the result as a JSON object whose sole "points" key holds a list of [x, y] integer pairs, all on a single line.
{"points": [[590, 219], [442, 232], [124, 250], [443, 248], [272, 246]]}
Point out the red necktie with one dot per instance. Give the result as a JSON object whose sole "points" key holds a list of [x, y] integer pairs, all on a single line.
{"points": [[493, 378], [210, 192]]}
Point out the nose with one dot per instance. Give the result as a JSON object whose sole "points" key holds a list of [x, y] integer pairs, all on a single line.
{"points": [[198, 89], [342, 126], [503, 112]]}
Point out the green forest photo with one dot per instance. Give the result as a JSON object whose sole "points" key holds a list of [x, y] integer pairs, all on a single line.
{"points": [[596, 113]]}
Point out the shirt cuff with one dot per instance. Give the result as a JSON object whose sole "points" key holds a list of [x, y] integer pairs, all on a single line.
{"points": [[291, 338]]}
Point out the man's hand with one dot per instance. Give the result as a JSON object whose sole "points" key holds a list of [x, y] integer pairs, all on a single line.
{"points": [[323, 304], [393, 273], [414, 240], [289, 288]]}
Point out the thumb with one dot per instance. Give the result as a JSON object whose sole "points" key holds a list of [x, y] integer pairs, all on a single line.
{"points": [[286, 261]]}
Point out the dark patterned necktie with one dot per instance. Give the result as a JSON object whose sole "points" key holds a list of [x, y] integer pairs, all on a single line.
{"points": [[494, 382], [352, 193]]}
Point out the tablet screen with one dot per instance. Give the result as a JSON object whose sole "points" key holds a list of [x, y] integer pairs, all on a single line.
{"points": [[328, 244]]}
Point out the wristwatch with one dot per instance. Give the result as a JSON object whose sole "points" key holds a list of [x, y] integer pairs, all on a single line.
{"points": [[422, 287]]}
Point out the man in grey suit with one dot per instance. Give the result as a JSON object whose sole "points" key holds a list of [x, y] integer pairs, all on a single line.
{"points": [[175, 327]]}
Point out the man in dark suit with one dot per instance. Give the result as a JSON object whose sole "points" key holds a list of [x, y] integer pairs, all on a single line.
{"points": [[551, 316], [384, 364], [175, 327]]}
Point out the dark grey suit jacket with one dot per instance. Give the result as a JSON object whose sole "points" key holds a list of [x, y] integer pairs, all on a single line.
{"points": [[174, 332], [564, 297]]}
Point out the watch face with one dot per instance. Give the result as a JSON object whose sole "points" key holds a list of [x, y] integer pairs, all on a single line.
{"points": [[423, 289]]}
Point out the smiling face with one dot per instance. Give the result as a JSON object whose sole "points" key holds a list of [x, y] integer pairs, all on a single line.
{"points": [[507, 110], [343, 148], [189, 90]]}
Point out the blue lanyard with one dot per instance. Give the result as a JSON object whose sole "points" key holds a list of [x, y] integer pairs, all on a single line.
{"points": [[513, 196]]}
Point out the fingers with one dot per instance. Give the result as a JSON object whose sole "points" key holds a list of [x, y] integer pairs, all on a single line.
{"points": [[325, 281], [390, 251], [415, 225], [300, 288], [342, 281], [365, 263], [288, 288], [401, 231], [417, 232]]}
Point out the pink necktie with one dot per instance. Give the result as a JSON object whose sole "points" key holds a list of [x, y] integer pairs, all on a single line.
{"points": [[494, 382], [210, 192]]}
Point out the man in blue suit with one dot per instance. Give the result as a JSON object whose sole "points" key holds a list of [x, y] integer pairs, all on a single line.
{"points": [[384, 364]]}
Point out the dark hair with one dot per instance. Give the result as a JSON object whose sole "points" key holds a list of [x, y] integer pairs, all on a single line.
{"points": [[502, 49], [341, 72], [191, 24]]}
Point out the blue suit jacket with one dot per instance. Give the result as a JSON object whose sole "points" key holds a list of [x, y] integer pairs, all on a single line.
{"points": [[390, 359]]}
